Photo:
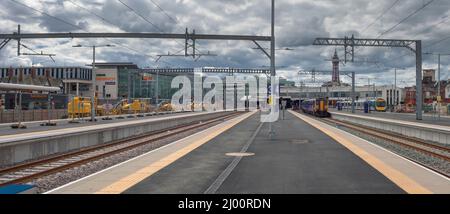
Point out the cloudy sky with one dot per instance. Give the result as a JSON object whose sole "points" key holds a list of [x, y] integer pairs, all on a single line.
{"points": [[298, 22]]}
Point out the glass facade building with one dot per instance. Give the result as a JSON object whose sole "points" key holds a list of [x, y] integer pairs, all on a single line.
{"points": [[136, 83]]}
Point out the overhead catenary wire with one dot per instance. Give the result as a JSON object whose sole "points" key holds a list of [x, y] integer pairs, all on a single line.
{"points": [[429, 46], [165, 13], [444, 20], [151, 23], [141, 16], [175, 20], [92, 13], [78, 27], [404, 19], [28, 48], [380, 16], [438, 41], [409, 16], [109, 22]]}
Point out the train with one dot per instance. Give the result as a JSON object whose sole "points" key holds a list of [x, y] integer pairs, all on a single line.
{"points": [[378, 104], [317, 107]]}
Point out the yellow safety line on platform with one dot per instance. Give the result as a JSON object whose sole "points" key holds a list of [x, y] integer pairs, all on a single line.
{"points": [[400, 179], [131, 180]]}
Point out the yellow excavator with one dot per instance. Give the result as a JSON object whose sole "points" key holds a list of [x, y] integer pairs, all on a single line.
{"points": [[137, 106], [166, 106], [81, 107]]}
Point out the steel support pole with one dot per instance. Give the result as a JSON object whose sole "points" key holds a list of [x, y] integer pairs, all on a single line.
{"points": [[129, 85], [134, 86], [94, 76], [353, 92], [272, 42], [157, 88], [395, 89], [149, 94], [186, 43], [439, 86], [419, 92], [193, 45], [20, 110], [18, 40], [49, 100], [272, 64]]}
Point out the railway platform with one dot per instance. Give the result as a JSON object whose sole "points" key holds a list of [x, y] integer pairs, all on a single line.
{"points": [[35, 126], [17, 146], [407, 117], [431, 131], [303, 155]]}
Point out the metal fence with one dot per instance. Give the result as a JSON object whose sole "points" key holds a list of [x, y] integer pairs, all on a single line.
{"points": [[10, 116]]}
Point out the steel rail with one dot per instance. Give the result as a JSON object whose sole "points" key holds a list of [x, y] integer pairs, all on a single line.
{"points": [[165, 132]]}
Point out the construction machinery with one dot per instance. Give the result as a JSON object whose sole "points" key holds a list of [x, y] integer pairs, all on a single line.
{"points": [[136, 106], [79, 107], [166, 106]]}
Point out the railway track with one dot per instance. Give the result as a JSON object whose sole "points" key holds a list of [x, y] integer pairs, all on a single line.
{"points": [[33, 170], [423, 147]]}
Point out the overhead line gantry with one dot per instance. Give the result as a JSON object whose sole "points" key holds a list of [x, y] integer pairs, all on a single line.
{"points": [[349, 44]]}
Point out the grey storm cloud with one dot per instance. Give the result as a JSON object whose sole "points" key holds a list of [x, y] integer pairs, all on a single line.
{"points": [[298, 23]]}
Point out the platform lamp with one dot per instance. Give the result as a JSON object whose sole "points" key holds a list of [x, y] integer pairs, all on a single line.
{"points": [[439, 97], [94, 91]]}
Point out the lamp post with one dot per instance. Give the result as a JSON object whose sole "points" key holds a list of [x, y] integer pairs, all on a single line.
{"points": [[352, 75], [439, 79], [369, 85], [395, 97], [94, 76], [368, 89]]}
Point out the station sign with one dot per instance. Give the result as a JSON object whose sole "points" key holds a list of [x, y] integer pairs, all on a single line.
{"points": [[147, 77], [105, 79]]}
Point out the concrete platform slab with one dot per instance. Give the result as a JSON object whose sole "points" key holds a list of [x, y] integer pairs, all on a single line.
{"points": [[410, 176], [297, 159], [303, 156], [118, 178], [426, 119]]}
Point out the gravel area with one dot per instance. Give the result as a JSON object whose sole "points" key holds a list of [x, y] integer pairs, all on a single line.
{"points": [[435, 163]]}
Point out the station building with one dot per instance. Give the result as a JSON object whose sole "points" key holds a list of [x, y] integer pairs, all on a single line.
{"points": [[117, 81], [114, 81], [71, 80]]}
